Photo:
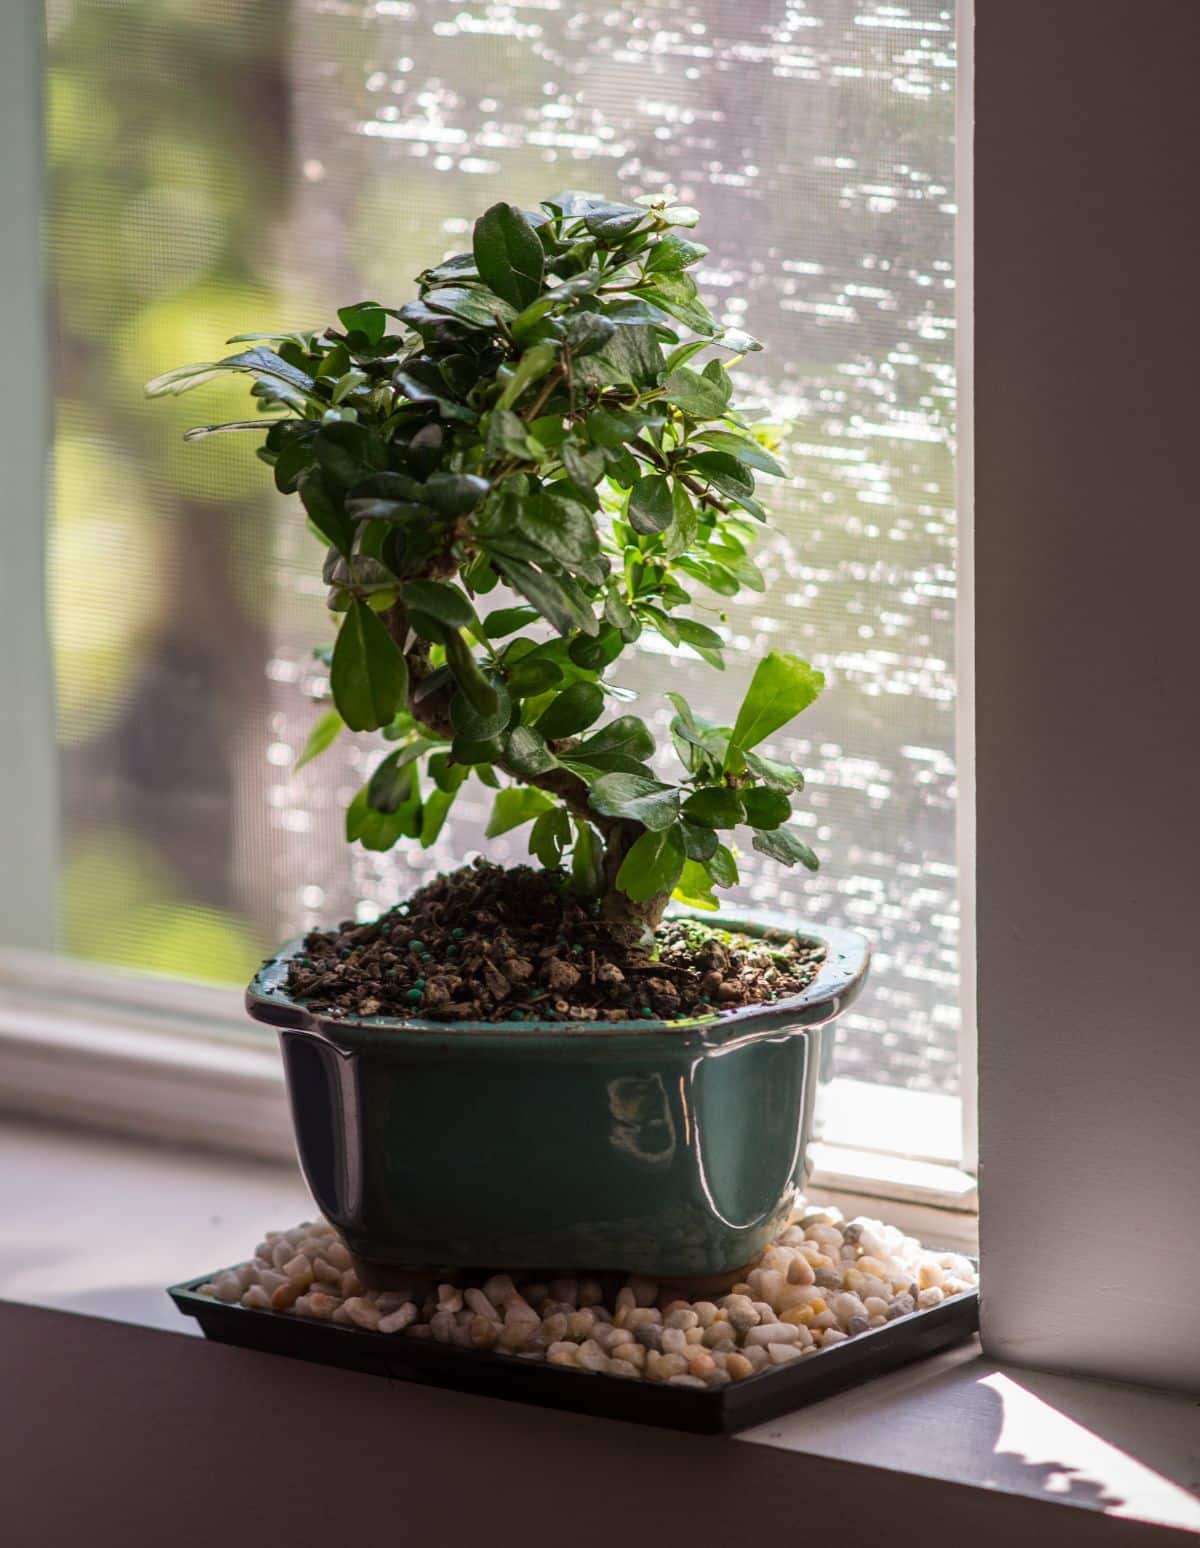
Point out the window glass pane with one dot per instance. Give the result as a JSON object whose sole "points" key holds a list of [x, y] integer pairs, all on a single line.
{"points": [[223, 165]]}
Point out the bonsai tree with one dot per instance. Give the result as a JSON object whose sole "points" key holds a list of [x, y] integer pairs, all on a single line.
{"points": [[537, 418]]}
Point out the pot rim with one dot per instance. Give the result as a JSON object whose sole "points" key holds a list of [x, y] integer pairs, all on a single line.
{"points": [[838, 980]]}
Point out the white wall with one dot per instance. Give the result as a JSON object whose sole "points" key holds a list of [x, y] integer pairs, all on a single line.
{"points": [[1087, 448]]}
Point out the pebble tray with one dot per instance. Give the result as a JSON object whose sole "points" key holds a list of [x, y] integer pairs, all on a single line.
{"points": [[717, 1411]]}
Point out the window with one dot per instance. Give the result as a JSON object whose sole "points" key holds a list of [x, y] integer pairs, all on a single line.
{"points": [[217, 164]]}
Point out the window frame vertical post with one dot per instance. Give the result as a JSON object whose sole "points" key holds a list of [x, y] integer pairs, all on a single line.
{"points": [[29, 768]]}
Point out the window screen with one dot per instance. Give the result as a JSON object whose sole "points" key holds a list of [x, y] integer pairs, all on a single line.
{"points": [[220, 165]]}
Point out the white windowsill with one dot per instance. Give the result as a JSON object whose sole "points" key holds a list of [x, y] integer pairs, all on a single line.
{"points": [[177, 1061], [100, 1225]]}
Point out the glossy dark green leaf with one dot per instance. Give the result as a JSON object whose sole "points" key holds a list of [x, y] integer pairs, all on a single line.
{"points": [[572, 711], [327, 513], [715, 807], [585, 465], [393, 782], [368, 318], [694, 394], [651, 504], [507, 620], [445, 603], [586, 332], [784, 845], [527, 754], [647, 801], [765, 807], [723, 867], [508, 255], [547, 592], [698, 843], [674, 252], [744, 449], [482, 694], [478, 308], [779, 776], [368, 676], [653, 865], [454, 494], [529, 678]]}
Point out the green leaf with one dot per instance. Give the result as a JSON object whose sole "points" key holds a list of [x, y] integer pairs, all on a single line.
{"points": [[766, 808], [260, 362], [507, 620], [527, 755], [445, 603], [654, 805], [653, 865], [625, 737], [714, 807], [380, 830], [651, 505], [507, 435], [326, 513], [587, 861], [454, 494], [723, 472], [483, 695], [698, 843], [531, 367], [744, 450], [508, 254], [723, 867], [782, 686], [681, 534], [368, 318], [694, 394], [394, 781], [368, 677], [586, 332], [784, 845], [673, 253], [477, 308], [779, 776], [694, 887], [434, 814], [699, 636], [515, 805], [560, 527], [550, 836], [529, 678], [348, 451], [572, 711], [323, 734], [584, 465], [557, 605]]}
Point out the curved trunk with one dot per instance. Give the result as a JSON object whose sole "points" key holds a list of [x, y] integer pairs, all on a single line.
{"points": [[630, 922]]}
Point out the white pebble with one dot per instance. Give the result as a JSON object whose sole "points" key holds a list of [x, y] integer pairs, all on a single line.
{"points": [[772, 1333], [401, 1318], [781, 1354]]}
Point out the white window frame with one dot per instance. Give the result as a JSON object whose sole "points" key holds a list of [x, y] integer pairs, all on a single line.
{"points": [[175, 1060]]}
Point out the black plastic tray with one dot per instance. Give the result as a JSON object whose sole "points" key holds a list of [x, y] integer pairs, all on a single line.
{"points": [[714, 1411]]}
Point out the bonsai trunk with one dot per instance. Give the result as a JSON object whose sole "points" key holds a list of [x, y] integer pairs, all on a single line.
{"points": [[630, 922]]}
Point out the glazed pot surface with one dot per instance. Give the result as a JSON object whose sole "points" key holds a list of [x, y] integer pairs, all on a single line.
{"points": [[668, 1149]]}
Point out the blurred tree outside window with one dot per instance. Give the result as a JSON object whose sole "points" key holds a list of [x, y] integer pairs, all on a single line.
{"points": [[219, 165]]}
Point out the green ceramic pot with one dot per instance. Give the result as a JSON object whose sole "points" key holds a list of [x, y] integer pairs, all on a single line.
{"points": [[671, 1149]]}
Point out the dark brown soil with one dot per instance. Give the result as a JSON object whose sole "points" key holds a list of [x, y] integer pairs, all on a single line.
{"points": [[488, 944]]}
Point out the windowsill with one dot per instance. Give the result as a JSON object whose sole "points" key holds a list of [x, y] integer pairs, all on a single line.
{"points": [[99, 1225]]}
